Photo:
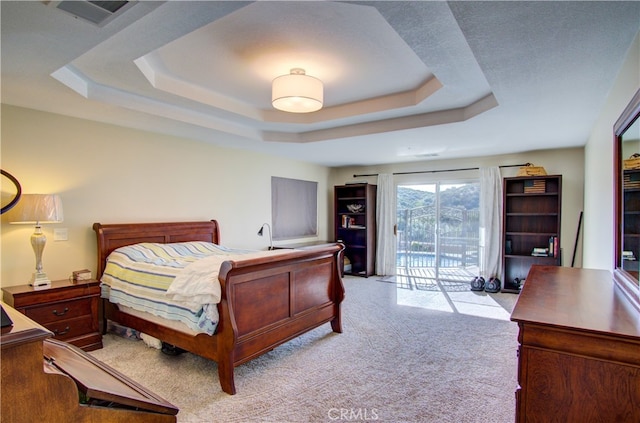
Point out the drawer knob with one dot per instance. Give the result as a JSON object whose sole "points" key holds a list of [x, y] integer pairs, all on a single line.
{"points": [[55, 331], [57, 313]]}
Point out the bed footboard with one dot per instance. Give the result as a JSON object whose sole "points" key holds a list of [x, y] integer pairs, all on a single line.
{"points": [[269, 301]]}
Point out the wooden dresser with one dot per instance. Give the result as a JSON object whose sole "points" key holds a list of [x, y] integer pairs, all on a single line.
{"points": [[52, 381], [579, 352]]}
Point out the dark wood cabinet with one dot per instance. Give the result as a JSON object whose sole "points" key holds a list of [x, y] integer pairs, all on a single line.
{"points": [[579, 348], [531, 226], [355, 226], [68, 309]]}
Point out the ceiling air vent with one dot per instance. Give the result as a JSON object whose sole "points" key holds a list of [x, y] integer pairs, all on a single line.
{"points": [[96, 12]]}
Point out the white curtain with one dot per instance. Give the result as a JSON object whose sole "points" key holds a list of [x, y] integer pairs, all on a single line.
{"points": [[385, 222], [490, 222]]}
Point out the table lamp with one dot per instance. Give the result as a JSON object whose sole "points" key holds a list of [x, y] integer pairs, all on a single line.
{"points": [[37, 209], [261, 231]]}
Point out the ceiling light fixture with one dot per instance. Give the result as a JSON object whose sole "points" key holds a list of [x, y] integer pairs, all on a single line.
{"points": [[297, 92]]}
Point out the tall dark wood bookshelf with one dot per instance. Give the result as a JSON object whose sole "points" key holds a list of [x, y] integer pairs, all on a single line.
{"points": [[531, 226], [355, 226], [631, 221]]}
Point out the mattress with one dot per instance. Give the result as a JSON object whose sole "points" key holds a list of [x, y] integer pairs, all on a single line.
{"points": [[176, 281]]}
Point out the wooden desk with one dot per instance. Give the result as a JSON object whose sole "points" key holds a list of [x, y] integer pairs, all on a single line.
{"points": [[579, 353], [42, 380]]}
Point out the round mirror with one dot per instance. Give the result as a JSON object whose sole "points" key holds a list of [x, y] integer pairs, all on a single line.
{"points": [[11, 191]]}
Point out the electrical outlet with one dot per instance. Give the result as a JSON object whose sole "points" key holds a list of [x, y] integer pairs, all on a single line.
{"points": [[60, 234]]}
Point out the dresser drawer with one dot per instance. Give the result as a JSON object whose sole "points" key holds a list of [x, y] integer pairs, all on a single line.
{"points": [[67, 329], [55, 312]]}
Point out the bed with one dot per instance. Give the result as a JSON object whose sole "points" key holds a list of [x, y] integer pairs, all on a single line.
{"points": [[265, 301]]}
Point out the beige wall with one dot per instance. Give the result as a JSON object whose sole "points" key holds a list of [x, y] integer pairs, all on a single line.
{"points": [[110, 174], [106, 173], [566, 162], [599, 239]]}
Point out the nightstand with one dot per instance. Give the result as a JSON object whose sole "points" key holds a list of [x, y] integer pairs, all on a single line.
{"points": [[69, 310]]}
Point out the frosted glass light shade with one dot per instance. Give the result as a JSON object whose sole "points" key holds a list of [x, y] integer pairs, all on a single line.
{"points": [[297, 92], [36, 209]]}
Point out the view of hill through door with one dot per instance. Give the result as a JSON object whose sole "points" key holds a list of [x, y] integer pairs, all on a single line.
{"points": [[438, 232]]}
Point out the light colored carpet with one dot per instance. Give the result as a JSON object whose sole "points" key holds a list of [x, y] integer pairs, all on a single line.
{"points": [[392, 363]]}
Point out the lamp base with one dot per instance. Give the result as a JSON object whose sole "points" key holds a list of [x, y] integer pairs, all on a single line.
{"points": [[40, 280]]}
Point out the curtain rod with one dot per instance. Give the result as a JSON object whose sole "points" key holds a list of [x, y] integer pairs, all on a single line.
{"points": [[438, 171]]}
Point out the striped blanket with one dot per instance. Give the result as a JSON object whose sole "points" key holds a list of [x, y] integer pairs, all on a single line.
{"points": [[175, 281]]}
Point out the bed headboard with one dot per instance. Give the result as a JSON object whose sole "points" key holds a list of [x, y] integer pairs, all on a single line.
{"points": [[113, 236]]}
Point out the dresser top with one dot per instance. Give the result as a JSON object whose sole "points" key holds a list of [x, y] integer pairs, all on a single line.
{"points": [[582, 299], [55, 285]]}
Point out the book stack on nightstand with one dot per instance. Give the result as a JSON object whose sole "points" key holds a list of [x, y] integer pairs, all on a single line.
{"points": [[68, 309]]}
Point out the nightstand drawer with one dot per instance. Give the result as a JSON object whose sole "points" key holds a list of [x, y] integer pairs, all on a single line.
{"points": [[67, 329], [55, 312]]}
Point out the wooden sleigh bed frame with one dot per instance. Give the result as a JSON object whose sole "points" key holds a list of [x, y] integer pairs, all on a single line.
{"points": [[265, 301]]}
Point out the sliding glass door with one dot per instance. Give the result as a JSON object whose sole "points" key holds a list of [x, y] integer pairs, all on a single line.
{"points": [[438, 229]]}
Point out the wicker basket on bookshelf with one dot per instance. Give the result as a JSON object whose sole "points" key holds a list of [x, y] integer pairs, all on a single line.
{"points": [[632, 162], [531, 170]]}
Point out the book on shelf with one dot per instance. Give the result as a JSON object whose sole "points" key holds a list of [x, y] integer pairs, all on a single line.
{"points": [[349, 222], [628, 255], [631, 180], [540, 252], [553, 246]]}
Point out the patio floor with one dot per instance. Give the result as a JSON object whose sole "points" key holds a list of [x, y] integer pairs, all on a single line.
{"points": [[425, 278]]}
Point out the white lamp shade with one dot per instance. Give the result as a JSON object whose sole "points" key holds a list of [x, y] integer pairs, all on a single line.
{"points": [[297, 92], [36, 209]]}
